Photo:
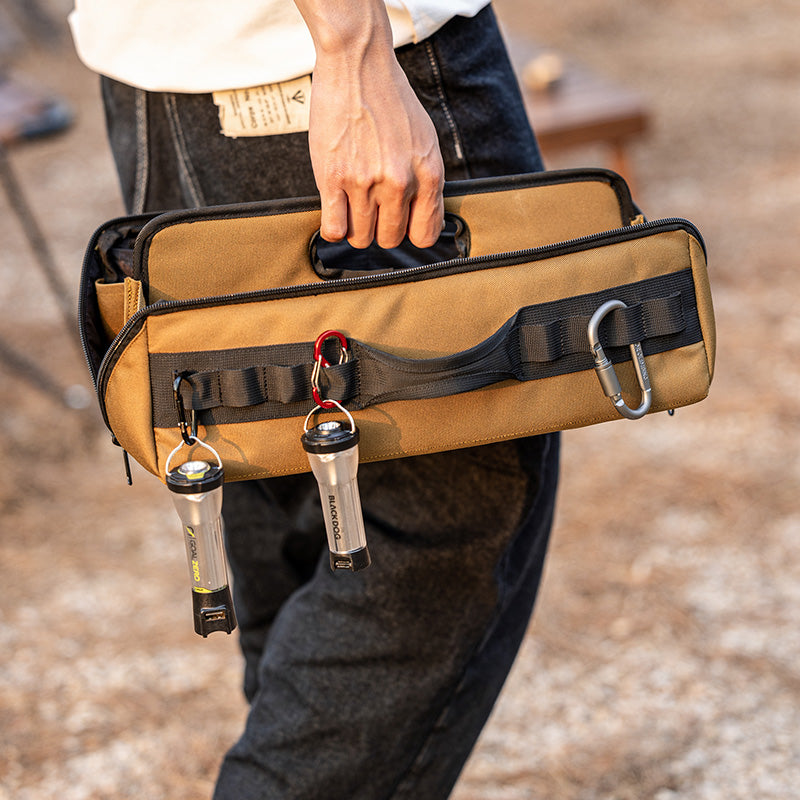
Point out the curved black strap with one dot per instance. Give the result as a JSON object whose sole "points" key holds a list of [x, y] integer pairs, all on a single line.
{"points": [[523, 349], [539, 341]]}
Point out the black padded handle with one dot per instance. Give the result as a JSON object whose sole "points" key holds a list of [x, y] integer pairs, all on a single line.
{"points": [[341, 260]]}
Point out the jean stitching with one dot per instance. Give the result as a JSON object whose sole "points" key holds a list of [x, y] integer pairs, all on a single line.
{"points": [[402, 787], [451, 123], [188, 174], [142, 175]]}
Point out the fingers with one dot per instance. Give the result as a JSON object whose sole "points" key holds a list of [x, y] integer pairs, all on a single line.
{"points": [[386, 213], [426, 213], [393, 212], [349, 215], [348, 211], [334, 223], [374, 151], [362, 215]]}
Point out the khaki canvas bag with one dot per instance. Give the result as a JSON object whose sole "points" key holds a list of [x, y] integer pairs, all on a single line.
{"points": [[233, 322]]}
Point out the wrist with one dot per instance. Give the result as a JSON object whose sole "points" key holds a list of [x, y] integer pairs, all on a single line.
{"points": [[350, 30]]}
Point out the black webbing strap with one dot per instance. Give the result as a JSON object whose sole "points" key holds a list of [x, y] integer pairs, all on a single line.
{"points": [[539, 341], [523, 349]]}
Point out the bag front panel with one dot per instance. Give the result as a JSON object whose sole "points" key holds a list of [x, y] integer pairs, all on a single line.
{"points": [[451, 313], [538, 216]]}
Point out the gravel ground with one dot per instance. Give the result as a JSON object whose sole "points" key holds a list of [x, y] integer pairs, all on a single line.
{"points": [[662, 662]]}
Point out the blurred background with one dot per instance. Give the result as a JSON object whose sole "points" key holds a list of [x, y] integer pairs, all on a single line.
{"points": [[663, 659]]}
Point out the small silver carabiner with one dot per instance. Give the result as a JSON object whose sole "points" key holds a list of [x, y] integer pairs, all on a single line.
{"points": [[608, 375]]}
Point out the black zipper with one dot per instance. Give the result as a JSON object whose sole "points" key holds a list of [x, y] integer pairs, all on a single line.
{"points": [[440, 269]]}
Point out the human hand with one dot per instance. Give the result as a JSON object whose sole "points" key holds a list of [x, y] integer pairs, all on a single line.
{"points": [[374, 149]]}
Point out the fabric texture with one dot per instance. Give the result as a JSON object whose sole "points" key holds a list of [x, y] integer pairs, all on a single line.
{"points": [[206, 45], [372, 685]]}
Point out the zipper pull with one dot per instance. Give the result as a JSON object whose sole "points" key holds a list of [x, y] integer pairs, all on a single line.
{"points": [[125, 460]]}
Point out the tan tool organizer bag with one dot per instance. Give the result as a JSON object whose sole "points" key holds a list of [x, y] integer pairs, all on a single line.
{"points": [[543, 290]]}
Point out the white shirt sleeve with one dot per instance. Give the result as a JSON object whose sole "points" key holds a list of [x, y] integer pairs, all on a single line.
{"points": [[209, 45]]}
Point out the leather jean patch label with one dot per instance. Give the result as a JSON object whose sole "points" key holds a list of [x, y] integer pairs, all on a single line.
{"points": [[265, 110]]}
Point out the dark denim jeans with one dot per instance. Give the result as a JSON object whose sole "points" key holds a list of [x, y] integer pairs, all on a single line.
{"points": [[372, 685]]}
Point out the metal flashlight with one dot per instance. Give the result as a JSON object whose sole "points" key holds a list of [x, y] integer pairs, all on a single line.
{"points": [[196, 488], [333, 454]]}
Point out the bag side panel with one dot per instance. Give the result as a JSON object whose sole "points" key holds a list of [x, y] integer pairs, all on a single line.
{"points": [[128, 402], [111, 307], [117, 303], [705, 306]]}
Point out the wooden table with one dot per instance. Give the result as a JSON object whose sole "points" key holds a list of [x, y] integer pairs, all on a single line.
{"points": [[580, 108]]}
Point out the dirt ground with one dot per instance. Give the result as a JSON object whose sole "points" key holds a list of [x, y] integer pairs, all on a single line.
{"points": [[663, 659]]}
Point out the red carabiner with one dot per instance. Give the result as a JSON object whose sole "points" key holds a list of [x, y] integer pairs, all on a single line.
{"points": [[321, 339], [320, 362]]}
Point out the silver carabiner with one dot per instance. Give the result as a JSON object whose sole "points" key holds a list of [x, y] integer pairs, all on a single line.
{"points": [[605, 369]]}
